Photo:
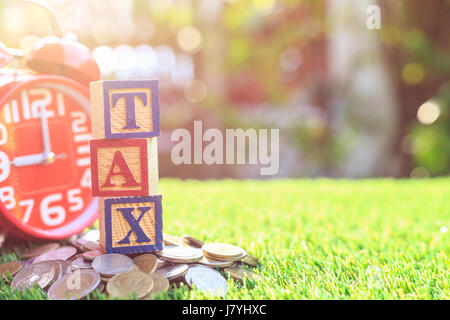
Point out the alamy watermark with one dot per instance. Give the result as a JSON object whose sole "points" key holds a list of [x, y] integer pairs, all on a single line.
{"points": [[233, 147], [373, 17]]}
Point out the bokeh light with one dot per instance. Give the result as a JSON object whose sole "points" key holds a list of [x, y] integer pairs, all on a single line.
{"points": [[127, 61], [428, 112], [106, 59], [420, 172], [189, 39], [195, 91], [413, 73]]}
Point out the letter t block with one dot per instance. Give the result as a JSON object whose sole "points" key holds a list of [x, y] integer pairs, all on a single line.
{"points": [[123, 109]]}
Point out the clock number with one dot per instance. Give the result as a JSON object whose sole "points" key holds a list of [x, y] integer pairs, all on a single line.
{"points": [[78, 122], [7, 197], [52, 216], [76, 200], [4, 166], [3, 134], [29, 208], [86, 179]]}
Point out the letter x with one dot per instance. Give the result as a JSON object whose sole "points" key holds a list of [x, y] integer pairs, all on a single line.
{"points": [[134, 224]]}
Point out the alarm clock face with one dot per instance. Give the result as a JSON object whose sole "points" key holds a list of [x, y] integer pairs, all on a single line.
{"points": [[44, 158]]}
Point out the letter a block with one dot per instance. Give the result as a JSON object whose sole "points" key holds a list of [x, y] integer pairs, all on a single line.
{"points": [[126, 167], [131, 225], [123, 109]]}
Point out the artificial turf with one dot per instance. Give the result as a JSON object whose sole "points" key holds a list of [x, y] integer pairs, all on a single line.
{"points": [[316, 239]]}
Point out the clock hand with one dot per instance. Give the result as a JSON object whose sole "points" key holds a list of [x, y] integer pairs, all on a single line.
{"points": [[45, 132], [34, 159], [29, 160]]}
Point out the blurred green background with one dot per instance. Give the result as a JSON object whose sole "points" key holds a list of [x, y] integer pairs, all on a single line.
{"points": [[349, 101]]}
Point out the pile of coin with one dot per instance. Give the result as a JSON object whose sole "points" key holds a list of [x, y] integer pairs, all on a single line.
{"points": [[75, 271]]}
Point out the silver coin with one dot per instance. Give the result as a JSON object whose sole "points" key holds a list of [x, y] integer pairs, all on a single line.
{"points": [[41, 273], [173, 271], [180, 254], [206, 280], [111, 264], [81, 263]]}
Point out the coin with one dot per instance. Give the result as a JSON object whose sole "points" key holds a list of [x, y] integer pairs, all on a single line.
{"points": [[180, 254], [250, 260], [125, 284], [91, 255], [37, 251], [206, 280], [41, 273], [101, 287], [81, 263], [91, 246], [146, 262], [191, 241], [223, 251], [58, 270], [62, 253], [239, 273], [171, 240], [111, 264], [173, 271], [161, 263], [215, 263], [74, 285], [11, 267], [66, 266], [213, 257], [160, 284]]}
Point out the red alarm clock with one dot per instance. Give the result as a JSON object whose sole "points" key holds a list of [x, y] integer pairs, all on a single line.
{"points": [[44, 141]]}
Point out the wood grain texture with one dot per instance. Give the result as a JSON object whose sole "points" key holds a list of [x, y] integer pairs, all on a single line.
{"points": [[143, 234], [126, 167], [123, 109]]}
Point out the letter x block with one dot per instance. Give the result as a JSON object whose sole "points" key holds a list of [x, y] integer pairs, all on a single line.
{"points": [[123, 109], [131, 225], [126, 167]]}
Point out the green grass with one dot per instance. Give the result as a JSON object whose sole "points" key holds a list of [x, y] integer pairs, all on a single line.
{"points": [[316, 239]]}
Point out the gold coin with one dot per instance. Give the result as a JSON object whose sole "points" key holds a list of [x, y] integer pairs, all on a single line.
{"points": [[223, 251], [250, 260], [41, 273], [171, 240], [31, 253], [221, 258], [189, 241], [146, 262], [9, 267], [215, 263], [126, 283], [180, 254], [239, 274], [160, 284]]}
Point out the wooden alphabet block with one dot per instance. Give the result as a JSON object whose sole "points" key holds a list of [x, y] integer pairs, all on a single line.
{"points": [[127, 167], [131, 224], [122, 109]]}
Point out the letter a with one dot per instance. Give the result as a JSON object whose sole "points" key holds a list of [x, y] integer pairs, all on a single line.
{"points": [[124, 171]]}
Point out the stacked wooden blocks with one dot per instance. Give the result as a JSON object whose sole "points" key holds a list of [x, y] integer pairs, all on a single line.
{"points": [[124, 164]]}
